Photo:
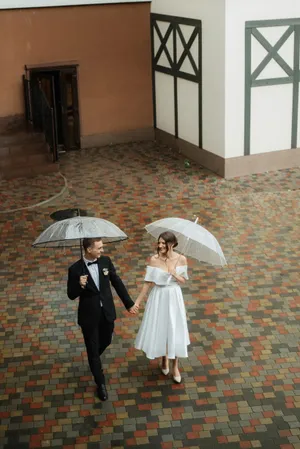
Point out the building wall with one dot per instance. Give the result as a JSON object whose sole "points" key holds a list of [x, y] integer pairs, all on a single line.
{"points": [[271, 106], [223, 86], [13, 4], [212, 15], [111, 44]]}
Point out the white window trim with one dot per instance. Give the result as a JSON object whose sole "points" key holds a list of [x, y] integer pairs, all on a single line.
{"points": [[20, 4]]}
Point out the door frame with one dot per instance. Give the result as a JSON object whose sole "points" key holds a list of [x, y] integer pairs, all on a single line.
{"points": [[71, 68]]}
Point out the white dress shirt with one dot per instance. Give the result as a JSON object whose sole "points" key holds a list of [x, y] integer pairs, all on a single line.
{"points": [[94, 271]]}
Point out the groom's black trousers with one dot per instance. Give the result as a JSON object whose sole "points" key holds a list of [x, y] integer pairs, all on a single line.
{"points": [[96, 341]]}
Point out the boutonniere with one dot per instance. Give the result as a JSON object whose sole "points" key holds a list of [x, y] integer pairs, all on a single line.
{"points": [[105, 271]]}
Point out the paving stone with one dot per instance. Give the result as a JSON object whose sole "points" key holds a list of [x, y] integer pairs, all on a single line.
{"points": [[241, 380]]}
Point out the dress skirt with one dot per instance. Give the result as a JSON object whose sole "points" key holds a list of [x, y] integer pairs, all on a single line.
{"points": [[164, 328]]}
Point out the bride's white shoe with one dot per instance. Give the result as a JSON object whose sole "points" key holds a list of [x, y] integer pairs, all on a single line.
{"points": [[166, 370], [177, 379]]}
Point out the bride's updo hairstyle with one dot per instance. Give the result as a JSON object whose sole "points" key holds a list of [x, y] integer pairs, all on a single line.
{"points": [[169, 238]]}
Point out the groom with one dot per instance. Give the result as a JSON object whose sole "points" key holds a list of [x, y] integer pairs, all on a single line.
{"points": [[89, 279]]}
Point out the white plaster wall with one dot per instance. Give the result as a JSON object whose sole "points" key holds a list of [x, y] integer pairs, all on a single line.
{"points": [[212, 14], [237, 13], [188, 111], [165, 102], [271, 118], [14, 4]]}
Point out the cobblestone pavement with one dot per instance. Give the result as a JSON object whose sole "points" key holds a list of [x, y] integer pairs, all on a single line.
{"points": [[241, 384], [17, 194]]}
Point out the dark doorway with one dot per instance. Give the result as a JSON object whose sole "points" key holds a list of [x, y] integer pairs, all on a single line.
{"points": [[59, 89]]}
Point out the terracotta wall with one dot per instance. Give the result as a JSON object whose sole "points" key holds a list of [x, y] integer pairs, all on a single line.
{"points": [[111, 44]]}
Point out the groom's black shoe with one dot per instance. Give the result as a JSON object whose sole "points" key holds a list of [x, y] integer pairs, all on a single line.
{"points": [[102, 392]]}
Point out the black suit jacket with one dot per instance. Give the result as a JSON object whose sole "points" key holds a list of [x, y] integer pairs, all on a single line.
{"points": [[89, 308]]}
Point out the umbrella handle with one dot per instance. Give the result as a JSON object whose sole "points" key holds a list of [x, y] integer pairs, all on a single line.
{"points": [[80, 240], [196, 221]]}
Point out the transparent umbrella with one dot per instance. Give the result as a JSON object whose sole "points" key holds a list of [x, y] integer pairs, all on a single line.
{"points": [[193, 240], [71, 231]]}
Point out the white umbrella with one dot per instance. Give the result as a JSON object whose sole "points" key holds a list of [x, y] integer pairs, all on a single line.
{"points": [[71, 231], [193, 240]]}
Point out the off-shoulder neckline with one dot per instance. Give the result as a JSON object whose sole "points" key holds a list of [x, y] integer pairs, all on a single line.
{"points": [[179, 266]]}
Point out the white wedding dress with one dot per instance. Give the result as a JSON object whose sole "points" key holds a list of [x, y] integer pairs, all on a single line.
{"points": [[164, 325]]}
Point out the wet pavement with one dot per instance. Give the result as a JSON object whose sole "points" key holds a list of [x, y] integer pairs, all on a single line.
{"points": [[241, 382]]}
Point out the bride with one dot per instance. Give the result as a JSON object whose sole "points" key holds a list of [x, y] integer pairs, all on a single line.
{"points": [[163, 332]]}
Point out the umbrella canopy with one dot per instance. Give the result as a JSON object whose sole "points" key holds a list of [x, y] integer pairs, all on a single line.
{"points": [[193, 240], [71, 231]]}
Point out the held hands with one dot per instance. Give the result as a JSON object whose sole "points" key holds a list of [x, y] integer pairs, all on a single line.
{"points": [[83, 281], [135, 308]]}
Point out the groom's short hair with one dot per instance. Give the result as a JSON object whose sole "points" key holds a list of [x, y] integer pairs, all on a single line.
{"points": [[87, 243]]}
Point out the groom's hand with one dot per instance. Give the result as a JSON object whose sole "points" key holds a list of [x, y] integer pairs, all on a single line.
{"points": [[83, 281], [134, 309]]}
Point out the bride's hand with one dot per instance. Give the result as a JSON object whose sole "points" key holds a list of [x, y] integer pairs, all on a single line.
{"points": [[135, 308]]}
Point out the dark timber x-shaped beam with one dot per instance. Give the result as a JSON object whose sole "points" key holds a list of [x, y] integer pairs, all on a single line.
{"points": [[174, 35], [272, 52], [163, 41], [187, 47], [293, 74]]}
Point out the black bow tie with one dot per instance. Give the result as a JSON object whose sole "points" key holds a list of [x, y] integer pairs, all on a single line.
{"points": [[91, 263]]}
